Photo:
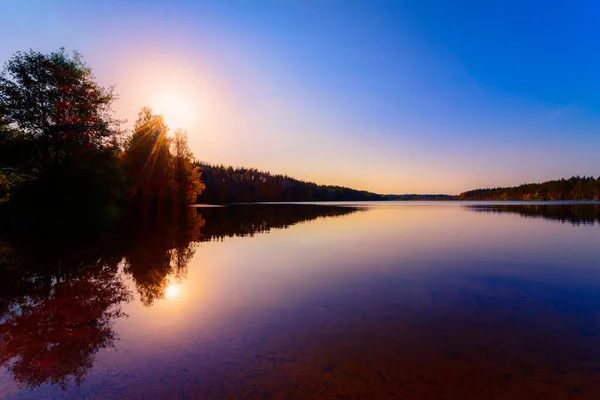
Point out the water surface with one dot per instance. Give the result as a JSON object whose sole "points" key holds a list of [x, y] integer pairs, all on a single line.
{"points": [[370, 300]]}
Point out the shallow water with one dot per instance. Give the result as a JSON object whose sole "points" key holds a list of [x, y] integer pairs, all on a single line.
{"points": [[374, 300]]}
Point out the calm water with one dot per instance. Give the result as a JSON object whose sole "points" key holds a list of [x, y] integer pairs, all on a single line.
{"points": [[383, 301]]}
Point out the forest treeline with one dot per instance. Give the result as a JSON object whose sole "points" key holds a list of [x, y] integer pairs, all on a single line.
{"points": [[575, 188], [244, 185], [226, 185], [63, 154]]}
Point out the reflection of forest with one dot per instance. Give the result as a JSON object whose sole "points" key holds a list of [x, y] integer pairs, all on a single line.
{"points": [[58, 300], [577, 214], [247, 220]]}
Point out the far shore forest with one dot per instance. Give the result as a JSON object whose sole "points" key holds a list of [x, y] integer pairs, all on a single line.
{"points": [[62, 151]]}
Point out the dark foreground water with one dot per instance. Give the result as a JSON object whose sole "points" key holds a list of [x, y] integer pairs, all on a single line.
{"points": [[380, 301]]}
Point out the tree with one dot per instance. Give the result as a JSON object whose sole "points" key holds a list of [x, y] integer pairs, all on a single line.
{"points": [[187, 176], [160, 168], [58, 135], [55, 99], [241, 185], [574, 188], [146, 160]]}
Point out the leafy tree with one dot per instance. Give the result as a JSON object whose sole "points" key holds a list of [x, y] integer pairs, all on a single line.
{"points": [[187, 176], [160, 168], [55, 98], [146, 160], [59, 138]]}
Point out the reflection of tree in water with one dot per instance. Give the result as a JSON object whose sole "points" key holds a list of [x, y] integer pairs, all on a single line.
{"points": [[248, 220], [54, 321], [161, 250], [576, 214], [57, 337], [58, 301], [164, 248]]}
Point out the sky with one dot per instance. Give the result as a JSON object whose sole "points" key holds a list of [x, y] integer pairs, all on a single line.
{"points": [[388, 96]]}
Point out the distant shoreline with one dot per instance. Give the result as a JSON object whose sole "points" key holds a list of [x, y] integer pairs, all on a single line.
{"points": [[533, 202]]}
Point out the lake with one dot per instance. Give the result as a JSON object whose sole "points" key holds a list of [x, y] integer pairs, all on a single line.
{"points": [[415, 300]]}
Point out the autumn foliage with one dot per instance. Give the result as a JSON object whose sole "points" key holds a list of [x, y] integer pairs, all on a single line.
{"points": [[61, 149], [159, 168]]}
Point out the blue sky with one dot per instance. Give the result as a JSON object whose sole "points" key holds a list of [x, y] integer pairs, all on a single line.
{"points": [[389, 96]]}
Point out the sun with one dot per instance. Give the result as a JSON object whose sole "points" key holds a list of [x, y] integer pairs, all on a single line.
{"points": [[171, 291], [176, 109]]}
